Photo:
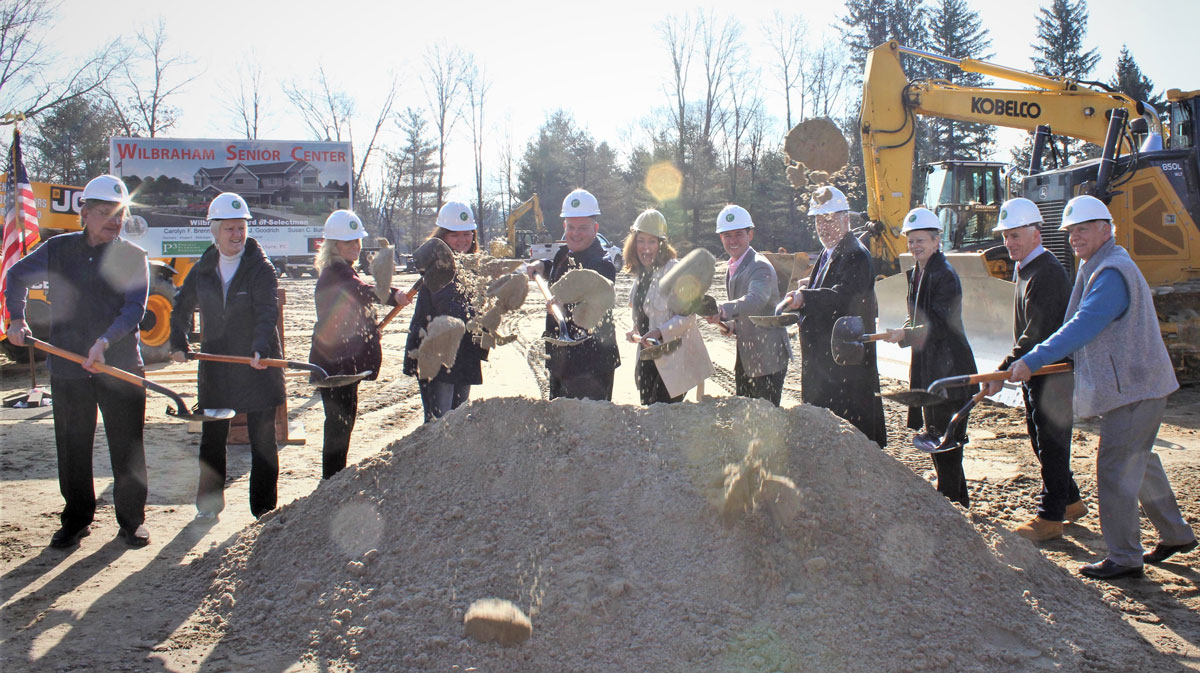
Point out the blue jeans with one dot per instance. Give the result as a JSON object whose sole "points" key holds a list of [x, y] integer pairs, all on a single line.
{"points": [[439, 398]]}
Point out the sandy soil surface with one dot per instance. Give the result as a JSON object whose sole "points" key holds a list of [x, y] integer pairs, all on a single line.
{"points": [[103, 606]]}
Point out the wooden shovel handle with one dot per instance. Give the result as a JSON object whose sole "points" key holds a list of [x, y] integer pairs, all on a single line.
{"points": [[243, 360], [412, 292], [110, 370], [545, 288], [1003, 374]]}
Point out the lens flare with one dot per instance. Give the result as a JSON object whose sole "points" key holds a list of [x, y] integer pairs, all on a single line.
{"points": [[664, 181]]}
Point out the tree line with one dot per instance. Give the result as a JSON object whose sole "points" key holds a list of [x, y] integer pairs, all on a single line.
{"points": [[710, 140]]}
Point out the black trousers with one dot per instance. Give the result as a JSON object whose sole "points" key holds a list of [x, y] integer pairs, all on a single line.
{"points": [[769, 387], [264, 463], [341, 409], [951, 480], [650, 384], [1048, 417], [123, 406], [595, 385]]}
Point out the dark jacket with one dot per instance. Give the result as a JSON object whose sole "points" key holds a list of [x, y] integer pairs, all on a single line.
{"points": [[599, 353], [1043, 291], [843, 285], [241, 323], [939, 344], [96, 291], [345, 337], [449, 300]]}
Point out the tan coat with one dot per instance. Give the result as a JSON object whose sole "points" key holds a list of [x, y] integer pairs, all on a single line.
{"points": [[688, 365]]}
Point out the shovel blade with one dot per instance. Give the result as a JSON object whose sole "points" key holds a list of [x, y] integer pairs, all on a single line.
{"points": [[845, 342], [657, 351], [435, 261], [338, 380], [775, 320], [913, 398], [202, 415], [928, 443]]}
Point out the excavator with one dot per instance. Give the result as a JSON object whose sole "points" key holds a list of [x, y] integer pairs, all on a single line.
{"points": [[520, 240], [1148, 173]]}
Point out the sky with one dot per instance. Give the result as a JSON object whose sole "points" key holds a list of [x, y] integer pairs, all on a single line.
{"points": [[602, 62]]}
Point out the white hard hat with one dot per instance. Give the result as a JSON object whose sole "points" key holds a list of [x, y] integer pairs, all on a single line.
{"points": [[733, 217], [344, 225], [827, 199], [920, 218], [1083, 209], [456, 216], [651, 222], [229, 206], [106, 188], [1017, 213], [580, 203]]}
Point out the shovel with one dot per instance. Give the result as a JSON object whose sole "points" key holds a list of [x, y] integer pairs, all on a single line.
{"points": [[653, 349], [180, 411], [565, 334], [848, 338], [435, 262], [780, 319], [936, 392], [320, 378]]}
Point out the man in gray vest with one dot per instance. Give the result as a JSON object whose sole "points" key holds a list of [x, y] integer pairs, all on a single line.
{"points": [[1126, 386]]}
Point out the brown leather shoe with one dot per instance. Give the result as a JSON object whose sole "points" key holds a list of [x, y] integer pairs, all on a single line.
{"points": [[1038, 529], [1075, 511]]}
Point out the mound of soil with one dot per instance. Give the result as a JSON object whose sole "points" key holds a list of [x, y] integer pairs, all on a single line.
{"points": [[723, 536]]}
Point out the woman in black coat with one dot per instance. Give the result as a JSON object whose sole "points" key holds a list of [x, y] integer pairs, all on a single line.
{"points": [[934, 330], [345, 337], [234, 285], [451, 388]]}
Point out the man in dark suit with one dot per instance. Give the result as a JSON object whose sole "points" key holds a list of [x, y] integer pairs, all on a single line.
{"points": [[841, 283]]}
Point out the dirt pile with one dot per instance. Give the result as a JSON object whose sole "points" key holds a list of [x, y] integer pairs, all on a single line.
{"points": [[723, 536]]}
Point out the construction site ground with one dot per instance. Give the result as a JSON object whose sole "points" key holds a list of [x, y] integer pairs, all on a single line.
{"points": [[106, 607]]}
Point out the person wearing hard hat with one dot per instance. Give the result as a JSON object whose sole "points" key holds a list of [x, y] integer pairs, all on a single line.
{"points": [[1123, 375], [451, 388], [934, 331], [97, 293], [235, 288], [345, 338], [760, 365], [648, 256], [584, 370], [1042, 292], [841, 283]]}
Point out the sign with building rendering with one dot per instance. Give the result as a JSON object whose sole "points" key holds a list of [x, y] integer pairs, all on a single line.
{"points": [[289, 186]]}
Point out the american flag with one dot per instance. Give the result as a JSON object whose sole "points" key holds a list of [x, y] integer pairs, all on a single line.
{"points": [[21, 231]]}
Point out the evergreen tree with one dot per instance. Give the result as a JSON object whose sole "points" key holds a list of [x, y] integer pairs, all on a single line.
{"points": [[869, 23], [1059, 53], [71, 142], [956, 31], [415, 169], [1130, 80]]}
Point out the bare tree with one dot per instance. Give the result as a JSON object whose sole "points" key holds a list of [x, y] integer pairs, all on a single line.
{"points": [[477, 88], [329, 114], [744, 105], [829, 75], [26, 85], [445, 70], [149, 79], [680, 35], [786, 35], [248, 103]]}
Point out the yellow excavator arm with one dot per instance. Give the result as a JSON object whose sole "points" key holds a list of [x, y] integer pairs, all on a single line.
{"points": [[891, 104]]}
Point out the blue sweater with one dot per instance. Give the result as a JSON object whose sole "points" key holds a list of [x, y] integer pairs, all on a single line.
{"points": [[1107, 301]]}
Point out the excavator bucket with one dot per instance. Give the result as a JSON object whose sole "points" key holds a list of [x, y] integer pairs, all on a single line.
{"points": [[987, 309]]}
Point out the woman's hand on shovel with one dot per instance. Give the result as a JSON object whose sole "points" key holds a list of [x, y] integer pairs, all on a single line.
{"points": [[254, 362]]}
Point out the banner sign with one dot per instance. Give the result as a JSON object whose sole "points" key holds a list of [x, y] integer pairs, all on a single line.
{"points": [[290, 188]]}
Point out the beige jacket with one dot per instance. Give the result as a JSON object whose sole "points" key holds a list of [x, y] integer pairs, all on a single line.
{"points": [[688, 365]]}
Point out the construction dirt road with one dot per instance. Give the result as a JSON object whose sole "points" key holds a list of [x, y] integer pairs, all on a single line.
{"points": [[721, 536]]}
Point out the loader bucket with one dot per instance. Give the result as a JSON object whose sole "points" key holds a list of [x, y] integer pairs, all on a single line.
{"points": [[987, 308], [790, 268]]}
